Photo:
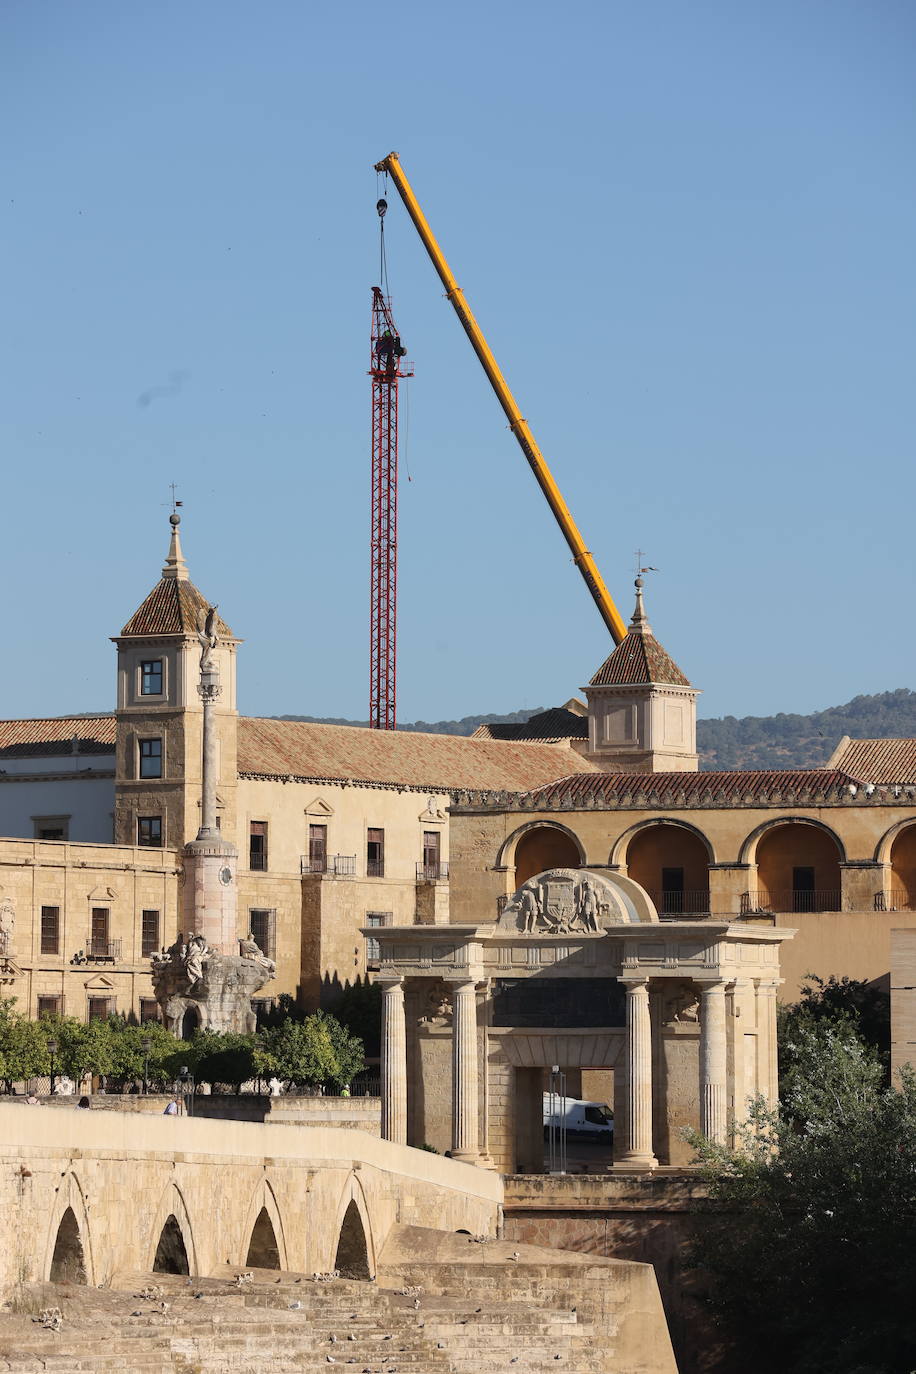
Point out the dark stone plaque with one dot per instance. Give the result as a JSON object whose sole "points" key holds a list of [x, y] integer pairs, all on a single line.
{"points": [[558, 1003]]}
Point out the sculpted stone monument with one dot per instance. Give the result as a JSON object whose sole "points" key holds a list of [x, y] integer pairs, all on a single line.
{"points": [[210, 972], [568, 901]]}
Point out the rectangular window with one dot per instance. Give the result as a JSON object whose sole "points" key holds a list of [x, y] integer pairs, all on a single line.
{"points": [[99, 1008], [318, 849], [149, 832], [48, 1006], [263, 927], [149, 1010], [375, 854], [51, 827], [98, 933], [149, 934], [257, 846], [50, 930], [151, 758], [431, 840], [373, 948], [151, 677]]}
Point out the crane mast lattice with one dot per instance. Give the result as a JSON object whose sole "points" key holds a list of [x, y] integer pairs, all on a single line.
{"points": [[386, 370]]}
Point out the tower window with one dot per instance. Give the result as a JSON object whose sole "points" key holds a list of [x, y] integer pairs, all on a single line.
{"points": [[151, 677], [149, 832], [257, 846], [151, 758]]}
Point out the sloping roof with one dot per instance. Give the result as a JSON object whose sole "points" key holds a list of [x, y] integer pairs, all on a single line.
{"points": [[437, 763], [877, 760], [172, 608], [33, 738], [691, 789], [639, 658], [549, 727]]}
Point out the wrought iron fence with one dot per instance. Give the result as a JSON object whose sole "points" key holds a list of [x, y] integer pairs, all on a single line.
{"points": [[334, 865], [432, 872], [792, 900], [689, 903], [895, 899], [99, 951]]}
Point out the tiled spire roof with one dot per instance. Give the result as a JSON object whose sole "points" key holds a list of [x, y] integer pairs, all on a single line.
{"points": [[639, 658], [173, 606]]}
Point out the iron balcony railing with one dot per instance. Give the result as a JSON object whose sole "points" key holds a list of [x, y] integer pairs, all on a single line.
{"points": [[334, 865], [102, 951], [375, 868], [793, 900], [689, 903], [431, 872], [895, 899]]}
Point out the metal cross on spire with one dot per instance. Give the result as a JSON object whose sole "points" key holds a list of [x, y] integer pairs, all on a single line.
{"points": [[640, 567]]}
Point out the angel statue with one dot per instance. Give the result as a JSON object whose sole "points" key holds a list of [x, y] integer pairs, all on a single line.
{"points": [[206, 633]]}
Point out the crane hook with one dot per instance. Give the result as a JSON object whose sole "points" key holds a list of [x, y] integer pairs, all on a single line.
{"points": [[381, 206]]}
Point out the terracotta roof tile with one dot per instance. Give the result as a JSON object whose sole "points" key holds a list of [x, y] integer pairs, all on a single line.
{"points": [[549, 727], [438, 763], [691, 789], [171, 608], [639, 658], [31, 738], [878, 760]]}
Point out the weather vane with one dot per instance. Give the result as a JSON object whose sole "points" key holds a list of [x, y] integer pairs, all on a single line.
{"points": [[640, 567]]}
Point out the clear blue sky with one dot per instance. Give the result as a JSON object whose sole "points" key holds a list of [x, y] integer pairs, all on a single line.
{"points": [[688, 230]]}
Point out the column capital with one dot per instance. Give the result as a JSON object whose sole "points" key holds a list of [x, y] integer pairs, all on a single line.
{"points": [[388, 982], [634, 981], [461, 980], [717, 984]]}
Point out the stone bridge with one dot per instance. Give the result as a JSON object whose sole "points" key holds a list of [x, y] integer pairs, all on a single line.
{"points": [[90, 1195]]}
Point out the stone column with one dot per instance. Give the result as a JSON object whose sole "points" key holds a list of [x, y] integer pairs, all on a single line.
{"points": [[465, 1130], [637, 1152], [210, 691], [766, 1019], [394, 1063], [713, 1101]]}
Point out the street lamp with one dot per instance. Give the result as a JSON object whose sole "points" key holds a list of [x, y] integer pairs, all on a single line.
{"points": [[186, 1080], [52, 1051], [146, 1045]]}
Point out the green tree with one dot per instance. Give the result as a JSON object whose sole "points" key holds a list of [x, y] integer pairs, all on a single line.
{"points": [[128, 1057], [221, 1057], [349, 1053], [23, 1048], [808, 1251], [299, 1052]]}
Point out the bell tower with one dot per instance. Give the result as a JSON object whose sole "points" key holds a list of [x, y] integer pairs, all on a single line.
{"points": [[160, 715], [642, 710]]}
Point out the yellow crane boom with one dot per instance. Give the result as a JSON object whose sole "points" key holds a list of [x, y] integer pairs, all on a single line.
{"points": [[519, 426]]}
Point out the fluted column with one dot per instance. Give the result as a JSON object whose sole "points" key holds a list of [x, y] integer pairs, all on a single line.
{"points": [[465, 1130], [394, 1064], [713, 1102], [637, 1150], [766, 1017]]}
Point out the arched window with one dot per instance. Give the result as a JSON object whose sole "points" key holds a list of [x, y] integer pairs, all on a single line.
{"points": [[67, 1263], [263, 1251], [171, 1255], [672, 864], [352, 1253], [798, 869], [541, 848], [903, 871]]}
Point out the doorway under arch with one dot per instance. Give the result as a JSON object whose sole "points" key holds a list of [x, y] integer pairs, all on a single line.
{"points": [[672, 864], [171, 1255], [541, 848], [263, 1250], [798, 869], [903, 871], [68, 1263], [190, 1023], [352, 1260]]}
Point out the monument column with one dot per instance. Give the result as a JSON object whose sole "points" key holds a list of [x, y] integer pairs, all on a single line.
{"points": [[394, 1063], [465, 1128], [713, 1119], [637, 1151]]}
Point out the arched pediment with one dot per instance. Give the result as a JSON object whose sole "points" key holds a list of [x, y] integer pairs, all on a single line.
{"points": [[565, 900]]}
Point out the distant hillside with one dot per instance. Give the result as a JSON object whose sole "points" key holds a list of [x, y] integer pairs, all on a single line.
{"points": [[781, 741]]}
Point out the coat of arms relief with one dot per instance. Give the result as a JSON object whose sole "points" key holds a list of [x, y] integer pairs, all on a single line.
{"points": [[566, 901]]}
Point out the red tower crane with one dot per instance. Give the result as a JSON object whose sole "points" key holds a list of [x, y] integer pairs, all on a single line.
{"points": [[386, 370]]}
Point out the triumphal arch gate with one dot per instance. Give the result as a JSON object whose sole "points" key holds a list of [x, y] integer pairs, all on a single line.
{"points": [[577, 972]]}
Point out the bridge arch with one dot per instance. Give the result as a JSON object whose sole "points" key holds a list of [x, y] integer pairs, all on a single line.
{"points": [[263, 1230], [68, 1250], [172, 1215], [354, 1253]]}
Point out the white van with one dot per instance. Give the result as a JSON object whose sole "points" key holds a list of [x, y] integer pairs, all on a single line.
{"points": [[592, 1121]]}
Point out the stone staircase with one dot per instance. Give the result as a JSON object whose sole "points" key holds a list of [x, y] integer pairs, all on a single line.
{"points": [[212, 1326]]}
